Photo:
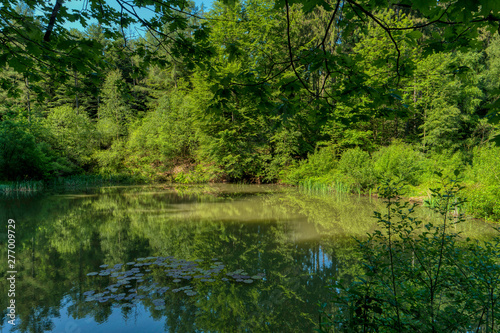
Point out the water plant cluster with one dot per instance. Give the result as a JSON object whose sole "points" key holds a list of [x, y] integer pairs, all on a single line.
{"points": [[24, 187], [137, 280]]}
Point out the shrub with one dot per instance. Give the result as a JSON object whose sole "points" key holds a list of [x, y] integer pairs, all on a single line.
{"points": [[483, 188], [72, 135], [322, 162], [398, 162], [20, 156], [355, 164]]}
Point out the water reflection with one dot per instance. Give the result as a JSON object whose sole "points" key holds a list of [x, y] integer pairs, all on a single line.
{"points": [[294, 241]]}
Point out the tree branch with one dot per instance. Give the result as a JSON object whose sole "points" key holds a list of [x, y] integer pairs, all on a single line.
{"points": [[290, 53], [52, 20], [387, 30]]}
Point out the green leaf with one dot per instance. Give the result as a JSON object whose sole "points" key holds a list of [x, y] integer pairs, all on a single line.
{"points": [[415, 34]]}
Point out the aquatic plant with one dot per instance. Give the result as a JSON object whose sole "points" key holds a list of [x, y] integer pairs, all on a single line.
{"points": [[21, 187], [133, 281]]}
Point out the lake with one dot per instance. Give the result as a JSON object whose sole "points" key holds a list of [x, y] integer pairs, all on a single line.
{"points": [[206, 258]]}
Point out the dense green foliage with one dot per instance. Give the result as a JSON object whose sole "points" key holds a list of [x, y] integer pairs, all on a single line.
{"points": [[337, 92]]}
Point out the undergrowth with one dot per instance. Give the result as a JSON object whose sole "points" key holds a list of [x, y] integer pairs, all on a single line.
{"points": [[419, 277]]}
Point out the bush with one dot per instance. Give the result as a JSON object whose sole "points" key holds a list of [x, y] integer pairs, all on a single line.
{"points": [[446, 163], [72, 135], [398, 162], [319, 164], [111, 161], [483, 188], [355, 164], [20, 156]]}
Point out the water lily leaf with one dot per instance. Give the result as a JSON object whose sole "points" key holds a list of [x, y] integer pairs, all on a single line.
{"points": [[130, 263], [177, 280], [248, 281], [104, 266], [92, 274], [207, 280]]}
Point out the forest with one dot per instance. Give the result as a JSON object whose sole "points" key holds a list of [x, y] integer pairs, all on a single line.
{"points": [[394, 101], [329, 94]]}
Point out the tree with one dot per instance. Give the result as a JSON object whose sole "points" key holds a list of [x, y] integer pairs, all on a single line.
{"points": [[114, 113]]}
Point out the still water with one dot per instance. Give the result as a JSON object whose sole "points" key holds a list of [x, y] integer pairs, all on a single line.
{"points": [[218, 258]]}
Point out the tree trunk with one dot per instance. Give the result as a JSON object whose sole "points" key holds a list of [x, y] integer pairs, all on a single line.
{"points": [[76, 92], [26, 82]]}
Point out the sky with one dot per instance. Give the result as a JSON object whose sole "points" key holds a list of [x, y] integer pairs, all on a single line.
{"points": [[80, 5]]}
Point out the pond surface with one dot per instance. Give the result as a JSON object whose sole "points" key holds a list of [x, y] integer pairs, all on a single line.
{"points": [[218, 258]]}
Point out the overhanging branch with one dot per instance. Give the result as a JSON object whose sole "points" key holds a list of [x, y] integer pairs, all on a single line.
{"points": [[52, 20]]}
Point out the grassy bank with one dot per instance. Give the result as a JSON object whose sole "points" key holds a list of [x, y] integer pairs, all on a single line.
{"points": [[360, 172]]}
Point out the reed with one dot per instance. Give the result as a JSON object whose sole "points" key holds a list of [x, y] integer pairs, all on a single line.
{"points": [[311, 185], [85, 181], [23, 186]]}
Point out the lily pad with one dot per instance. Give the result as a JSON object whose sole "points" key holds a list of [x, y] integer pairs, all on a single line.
{"points": [[92, 273], [207, 280]]}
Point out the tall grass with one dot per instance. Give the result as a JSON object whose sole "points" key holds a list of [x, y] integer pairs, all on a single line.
{"points": [[85, 181], [21, 187], [28, 187], [311, 185]]}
